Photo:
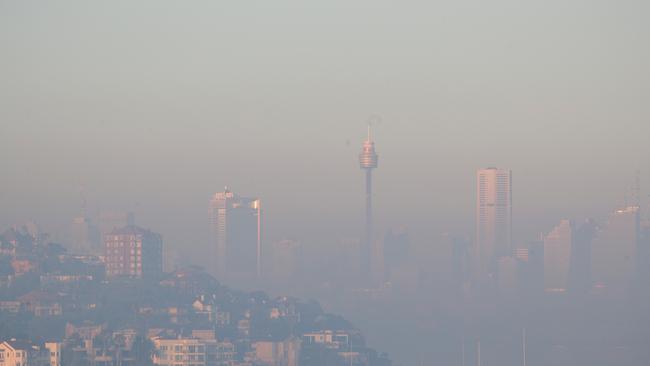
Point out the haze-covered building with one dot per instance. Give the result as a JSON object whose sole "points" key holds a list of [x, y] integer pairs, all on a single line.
{"points": [[286, 261], [85, 238], [236, 237], [614, 251], [493, 218], [134, 252], [557, 257], [111, 220]]}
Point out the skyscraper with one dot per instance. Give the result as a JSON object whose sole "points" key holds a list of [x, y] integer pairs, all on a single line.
{"points": [[493, 218], [367, 161], [614, 251], [580, 266], [557, 257], [236, 237]]}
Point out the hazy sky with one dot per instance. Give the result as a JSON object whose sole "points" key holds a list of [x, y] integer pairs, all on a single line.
{"points": [[154, 105]]}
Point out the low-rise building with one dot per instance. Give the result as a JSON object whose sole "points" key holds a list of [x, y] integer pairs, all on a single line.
{"points": [[284, 353], [10, 306], [22, 353], [41, 304], [192, 352], [330, 338], [16, 353]]}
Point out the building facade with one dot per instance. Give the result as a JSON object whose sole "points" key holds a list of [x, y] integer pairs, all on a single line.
{"points": [[284, 353], [493, 218], [20, 353], [557, 257], [133, 252], [192, 352], [236, 237], [614, 251]]}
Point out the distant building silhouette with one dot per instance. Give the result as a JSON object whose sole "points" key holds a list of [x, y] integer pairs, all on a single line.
{"points": [[580, 266], [396, 247], [507, 275], [493, 218], [286, 260], [85, 238], [111, 220], [557, 256], [614, 251], [133, 252], [236, 237], [530, 269]]}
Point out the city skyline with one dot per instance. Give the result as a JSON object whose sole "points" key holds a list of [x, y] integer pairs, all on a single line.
{"points": [[441, 108], [612, 273], [507, 223]]}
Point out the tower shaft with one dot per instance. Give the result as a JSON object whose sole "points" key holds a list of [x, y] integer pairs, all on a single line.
{"points": [[367, 240], [368, 237]]}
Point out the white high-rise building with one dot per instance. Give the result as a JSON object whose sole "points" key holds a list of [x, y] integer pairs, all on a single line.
{"points": [[236, 237], [557, 257], [493, 218]]}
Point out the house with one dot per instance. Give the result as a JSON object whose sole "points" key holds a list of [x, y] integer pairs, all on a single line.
{"points": [[21, 353], [41, 304]]}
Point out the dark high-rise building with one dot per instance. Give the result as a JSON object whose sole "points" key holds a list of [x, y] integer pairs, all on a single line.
{"points": [[133, 252], [643, 262], [580, 264], [236, 237], [530, 269], [396, 249], [614, 251]]}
